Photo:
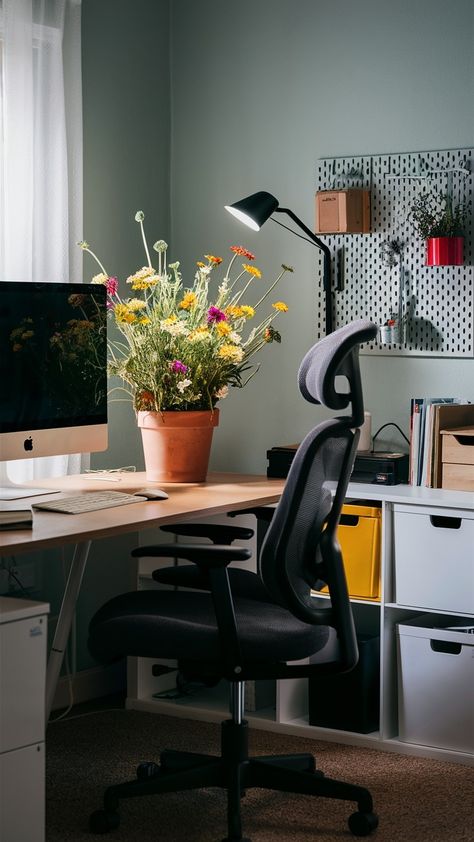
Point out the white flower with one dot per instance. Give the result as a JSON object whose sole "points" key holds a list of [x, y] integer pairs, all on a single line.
{"points": [[160, 246], [183, 384], [101, 278], [174, 328], [135, 304], [235, 337], [222, 393], [205, 271]]}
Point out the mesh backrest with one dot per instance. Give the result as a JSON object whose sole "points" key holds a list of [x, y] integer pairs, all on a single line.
{"points": [[290, 560], [300, 546]]}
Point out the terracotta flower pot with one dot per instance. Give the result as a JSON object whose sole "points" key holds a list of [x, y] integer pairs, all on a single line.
{"points": [[177, 445], [444, 251]]}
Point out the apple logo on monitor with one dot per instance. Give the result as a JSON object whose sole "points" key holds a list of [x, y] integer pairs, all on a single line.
{"points": [[28, 444]]}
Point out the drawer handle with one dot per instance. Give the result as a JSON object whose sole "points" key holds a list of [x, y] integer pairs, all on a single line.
{"points": [[446, 646], [349, 520], [466, 441], [441, 522]]}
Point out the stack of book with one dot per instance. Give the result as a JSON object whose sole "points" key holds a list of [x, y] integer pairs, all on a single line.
{"points": [[428, 417], [15, 515]]}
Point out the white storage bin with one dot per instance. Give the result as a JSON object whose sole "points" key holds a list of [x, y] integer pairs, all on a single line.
{"points": [[434, 558], [435, 685]]}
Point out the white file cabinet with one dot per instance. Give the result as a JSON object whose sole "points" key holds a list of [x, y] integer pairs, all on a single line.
{"points": [[23, 639]]}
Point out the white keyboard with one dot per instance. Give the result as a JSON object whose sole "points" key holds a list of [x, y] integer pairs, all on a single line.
{"points": [[89, 502]]}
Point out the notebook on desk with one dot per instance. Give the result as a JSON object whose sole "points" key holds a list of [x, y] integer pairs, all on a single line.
{"points": [[14, 515]]}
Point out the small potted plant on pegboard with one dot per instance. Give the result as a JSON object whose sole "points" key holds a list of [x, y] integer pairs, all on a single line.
{"points": [[442, 224]]}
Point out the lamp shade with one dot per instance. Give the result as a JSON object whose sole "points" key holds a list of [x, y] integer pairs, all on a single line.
{"points": [[254, 210]]}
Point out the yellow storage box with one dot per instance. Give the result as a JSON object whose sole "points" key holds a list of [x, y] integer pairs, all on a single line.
{"points": [[359, 537]]}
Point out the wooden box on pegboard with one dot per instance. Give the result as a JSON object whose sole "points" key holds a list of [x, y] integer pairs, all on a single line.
{"points": [[343, 211]]}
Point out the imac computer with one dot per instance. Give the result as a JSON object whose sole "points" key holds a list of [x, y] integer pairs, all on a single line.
{"points": [[53, 373]]}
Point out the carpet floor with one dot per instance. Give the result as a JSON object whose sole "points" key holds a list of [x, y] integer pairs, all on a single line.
{"points": [[417, 800]]}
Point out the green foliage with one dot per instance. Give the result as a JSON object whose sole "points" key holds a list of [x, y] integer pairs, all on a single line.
{"points": [[435, 215]]}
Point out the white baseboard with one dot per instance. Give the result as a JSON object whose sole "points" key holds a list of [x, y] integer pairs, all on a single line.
{"points": [[90, 684]]}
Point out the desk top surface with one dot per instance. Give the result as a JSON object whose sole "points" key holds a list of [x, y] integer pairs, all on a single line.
{"points": [[221, 492]]}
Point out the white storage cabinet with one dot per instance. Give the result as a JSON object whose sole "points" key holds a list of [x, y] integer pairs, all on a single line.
{"points": [[427, 566], [23, 639]]}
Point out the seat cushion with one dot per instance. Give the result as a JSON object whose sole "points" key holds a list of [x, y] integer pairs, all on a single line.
{"points": [[182, 625]]}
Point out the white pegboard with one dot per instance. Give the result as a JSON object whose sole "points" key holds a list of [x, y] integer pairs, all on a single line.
{"points": [[438, 302]]}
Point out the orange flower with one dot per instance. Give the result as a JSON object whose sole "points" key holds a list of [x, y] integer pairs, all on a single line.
{"points": [[213, 259], [243, 252]]}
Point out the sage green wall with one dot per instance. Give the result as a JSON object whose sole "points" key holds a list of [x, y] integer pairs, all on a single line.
{"points": [[126, 114], [126, 118], [260, 91]]}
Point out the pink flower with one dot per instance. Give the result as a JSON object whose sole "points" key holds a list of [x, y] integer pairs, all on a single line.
{"points": [[215, 315], [178, 367], [112, 286]]}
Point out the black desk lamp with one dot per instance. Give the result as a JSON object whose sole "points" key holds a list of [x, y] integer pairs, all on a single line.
{"points": [[254, 210]]}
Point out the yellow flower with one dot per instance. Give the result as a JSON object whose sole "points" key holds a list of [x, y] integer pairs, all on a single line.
{"points": [[281, 306], [27, 334], [188, 301], [231, 353], [200, 264], [170, 320], [234, 312], [247, 311], [144, 320], [123, 314], [223, 328], [252, 270]]}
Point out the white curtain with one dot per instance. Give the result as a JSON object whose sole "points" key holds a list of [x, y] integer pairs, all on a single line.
{"points": [[40, 157]]}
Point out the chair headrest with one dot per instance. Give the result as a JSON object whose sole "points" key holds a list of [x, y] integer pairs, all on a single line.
{"points": [[334, 355]]}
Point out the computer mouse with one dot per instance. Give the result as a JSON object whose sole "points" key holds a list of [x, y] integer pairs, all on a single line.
{"points": [[152, 493]]}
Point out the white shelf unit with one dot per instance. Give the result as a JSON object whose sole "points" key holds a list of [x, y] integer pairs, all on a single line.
{"points": [[23, 637], [290, 714]]}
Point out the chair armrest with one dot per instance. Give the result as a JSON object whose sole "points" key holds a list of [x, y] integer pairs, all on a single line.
{"points": [[217, 533], [208, 556], [261, 513]]}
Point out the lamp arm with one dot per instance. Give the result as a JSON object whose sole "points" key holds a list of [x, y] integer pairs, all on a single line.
{"points": [[326, 263]]}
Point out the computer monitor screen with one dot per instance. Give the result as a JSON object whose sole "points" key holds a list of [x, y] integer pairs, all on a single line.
{"points": [[53, 369]]}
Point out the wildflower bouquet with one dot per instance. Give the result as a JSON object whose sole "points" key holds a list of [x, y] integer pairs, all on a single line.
{"points": [[183, 348]]}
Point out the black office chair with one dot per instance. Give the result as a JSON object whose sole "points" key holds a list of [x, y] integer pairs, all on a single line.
{"points": [[219, 635]]}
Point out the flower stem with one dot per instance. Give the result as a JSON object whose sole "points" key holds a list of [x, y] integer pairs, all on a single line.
{"points": [[270, 288], [145, 243], [96, 259]]}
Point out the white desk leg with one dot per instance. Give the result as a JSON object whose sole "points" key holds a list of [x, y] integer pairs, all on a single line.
{"points": [[63, 626]]}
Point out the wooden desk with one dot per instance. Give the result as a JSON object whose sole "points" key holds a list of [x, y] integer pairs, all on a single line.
{"points": [[220, 493]]}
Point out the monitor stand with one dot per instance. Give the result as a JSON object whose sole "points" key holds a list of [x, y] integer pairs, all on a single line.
{"points": [[10, 490]]}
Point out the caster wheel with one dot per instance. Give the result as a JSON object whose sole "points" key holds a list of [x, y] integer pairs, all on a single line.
{"points": [[147, 770], [102, 821], [361, 824]]}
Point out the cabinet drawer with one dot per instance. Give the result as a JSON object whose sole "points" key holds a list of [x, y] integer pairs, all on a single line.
{"points": [[458, 477], [458, 446], [435, 686], [434, 559]]}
